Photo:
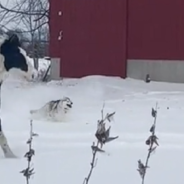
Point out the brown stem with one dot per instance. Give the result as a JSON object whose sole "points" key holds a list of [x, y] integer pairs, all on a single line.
{"points": [[93, 164], [150, 148]]}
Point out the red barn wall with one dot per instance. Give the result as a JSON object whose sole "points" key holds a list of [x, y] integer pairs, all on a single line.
{"points": [[54, 28], [100, 36], [94, 37], [156, 29]]}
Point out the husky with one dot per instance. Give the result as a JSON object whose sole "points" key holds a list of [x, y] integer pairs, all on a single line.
{"points": [[54, 110]]}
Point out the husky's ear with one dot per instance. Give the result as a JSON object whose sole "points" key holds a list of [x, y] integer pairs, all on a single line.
{"points": [[64, 98]]}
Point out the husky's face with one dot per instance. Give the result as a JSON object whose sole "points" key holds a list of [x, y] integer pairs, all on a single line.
{"points": [[67, 104]]}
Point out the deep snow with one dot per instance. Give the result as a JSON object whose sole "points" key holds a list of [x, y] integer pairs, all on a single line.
{"points": [[63, 152]]}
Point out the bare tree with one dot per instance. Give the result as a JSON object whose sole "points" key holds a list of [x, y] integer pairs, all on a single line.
{"points": [[33, 15], [34, 23], [39, 11]]}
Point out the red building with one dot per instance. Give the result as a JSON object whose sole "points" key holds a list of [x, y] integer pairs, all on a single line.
{"points": [[118, 38]]}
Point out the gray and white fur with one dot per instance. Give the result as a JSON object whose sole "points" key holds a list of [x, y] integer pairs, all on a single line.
{"points": [[54, 110]]}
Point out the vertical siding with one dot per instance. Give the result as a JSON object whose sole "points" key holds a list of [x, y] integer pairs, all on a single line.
{"points": [[54, 28], [156, 29], [98, 35], [94, 38], [108, 37], [74, 45]]}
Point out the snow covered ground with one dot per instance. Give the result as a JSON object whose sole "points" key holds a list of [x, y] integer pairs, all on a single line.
{"points": [[63, 152]]}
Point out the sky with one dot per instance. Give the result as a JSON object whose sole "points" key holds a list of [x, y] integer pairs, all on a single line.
{"points": [[8, 4]]}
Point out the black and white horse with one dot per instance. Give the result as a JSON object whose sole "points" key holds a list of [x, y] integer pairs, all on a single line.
{"points": [[12, 58]]}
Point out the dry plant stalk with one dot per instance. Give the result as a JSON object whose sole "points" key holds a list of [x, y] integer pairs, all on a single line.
{"points": [[103, 136], [152, 142], [28, 172]]}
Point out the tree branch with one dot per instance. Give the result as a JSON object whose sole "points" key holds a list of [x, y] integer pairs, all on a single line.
{"points": [[24, 12]]}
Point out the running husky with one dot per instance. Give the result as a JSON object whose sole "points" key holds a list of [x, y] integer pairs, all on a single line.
{"points": [[54, 110]]}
